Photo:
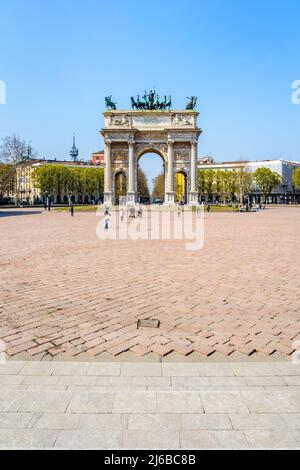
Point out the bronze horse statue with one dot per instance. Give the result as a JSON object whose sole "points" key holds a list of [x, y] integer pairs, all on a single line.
{"points": [[110, 105], [192, 103], [151, 101]]}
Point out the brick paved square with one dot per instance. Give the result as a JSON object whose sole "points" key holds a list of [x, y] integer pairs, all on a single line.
{"points": [[65, 293]]}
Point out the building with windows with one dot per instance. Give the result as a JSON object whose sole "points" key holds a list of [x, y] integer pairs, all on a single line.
{"points": [[98, 159], [27, 193], [283, 193]]}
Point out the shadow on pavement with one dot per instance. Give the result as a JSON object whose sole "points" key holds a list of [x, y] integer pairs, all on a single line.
{"points": [[15, 213]]}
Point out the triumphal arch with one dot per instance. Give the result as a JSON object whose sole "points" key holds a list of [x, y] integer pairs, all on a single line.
{"points": [[150, 127]]}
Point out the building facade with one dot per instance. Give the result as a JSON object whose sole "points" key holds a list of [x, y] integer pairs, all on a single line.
{"points": [[284, 193], [27, 193]]}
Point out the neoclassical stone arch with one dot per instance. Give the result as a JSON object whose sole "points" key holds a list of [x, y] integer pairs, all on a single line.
{"points": [[173, 135]]}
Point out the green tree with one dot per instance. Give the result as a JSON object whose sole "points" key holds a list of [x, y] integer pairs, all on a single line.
{"points": [[62, 180], [143, 184], [159, 186], [7, 180], [201, 182], [266, 180], [218, 183], [45, 178], [296, 178], [209, 183], [243, 183], [227, 188]]}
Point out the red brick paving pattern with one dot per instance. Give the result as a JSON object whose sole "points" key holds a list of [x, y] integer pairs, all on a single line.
{"points": [[65, 291]]}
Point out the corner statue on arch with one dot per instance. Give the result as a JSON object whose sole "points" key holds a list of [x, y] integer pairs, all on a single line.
{"points": [[151, 126]]}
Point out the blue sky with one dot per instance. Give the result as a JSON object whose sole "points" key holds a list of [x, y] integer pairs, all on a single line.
{"points": [[59, 60]]}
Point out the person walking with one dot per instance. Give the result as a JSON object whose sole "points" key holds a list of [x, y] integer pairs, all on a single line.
{"points": [[208, 208], [72, 210], [179, 212], [106, 221], [122, 214]]}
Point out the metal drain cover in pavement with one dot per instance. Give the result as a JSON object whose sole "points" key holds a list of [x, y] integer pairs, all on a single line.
{"points": [[148, 324]]}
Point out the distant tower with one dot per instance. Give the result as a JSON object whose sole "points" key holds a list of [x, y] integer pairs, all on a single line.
{"points": [[74, 151]]}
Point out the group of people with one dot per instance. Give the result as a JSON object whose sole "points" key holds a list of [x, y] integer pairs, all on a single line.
{"points": [[249, 207]]}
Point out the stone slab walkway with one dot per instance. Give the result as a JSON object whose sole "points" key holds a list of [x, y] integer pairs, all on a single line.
{"points": [[58, 405], [65, 292]]}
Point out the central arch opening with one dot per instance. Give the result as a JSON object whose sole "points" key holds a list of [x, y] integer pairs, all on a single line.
{"points": [[151, 179]]}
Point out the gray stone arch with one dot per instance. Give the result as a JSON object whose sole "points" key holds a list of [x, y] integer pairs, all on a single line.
{"points": [[173, 135]]}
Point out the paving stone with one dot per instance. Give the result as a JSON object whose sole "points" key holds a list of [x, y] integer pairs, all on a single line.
{"points": [[275, 401], [158, 382], [10, 380], [143, 370], [254, 369], [116, 381], [104, 369], [265, 421], [78, 380], [180, 370], [163, 439], [27, 439], [215, 370], [135, 402], [286, 369], [89, 439], [48, 402], [259, 381], [272, 439], [154, 422], [213, 440], [47, 380], [91, 402], [227, 383], [11, 368], [10, 399], [105, 422], [293, 380], [223, 402], [37, 368], [69, 369], [42, 387], [59, 421], [193, 315], [179, 402], [15, 420], [190, 383], [193, 422]]}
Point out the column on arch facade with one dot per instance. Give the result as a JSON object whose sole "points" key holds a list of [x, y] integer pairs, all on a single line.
{"points": [[170, 194], [194, 172], [131, 172], [107, 172]]}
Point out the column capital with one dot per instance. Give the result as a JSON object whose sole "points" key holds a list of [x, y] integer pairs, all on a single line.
{"points": [[108, 141], [171, 142], [131, 143], [194, 142]]}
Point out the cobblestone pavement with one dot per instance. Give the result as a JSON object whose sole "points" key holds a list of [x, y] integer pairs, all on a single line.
{"points": [[149, 406], [64, 292]]}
